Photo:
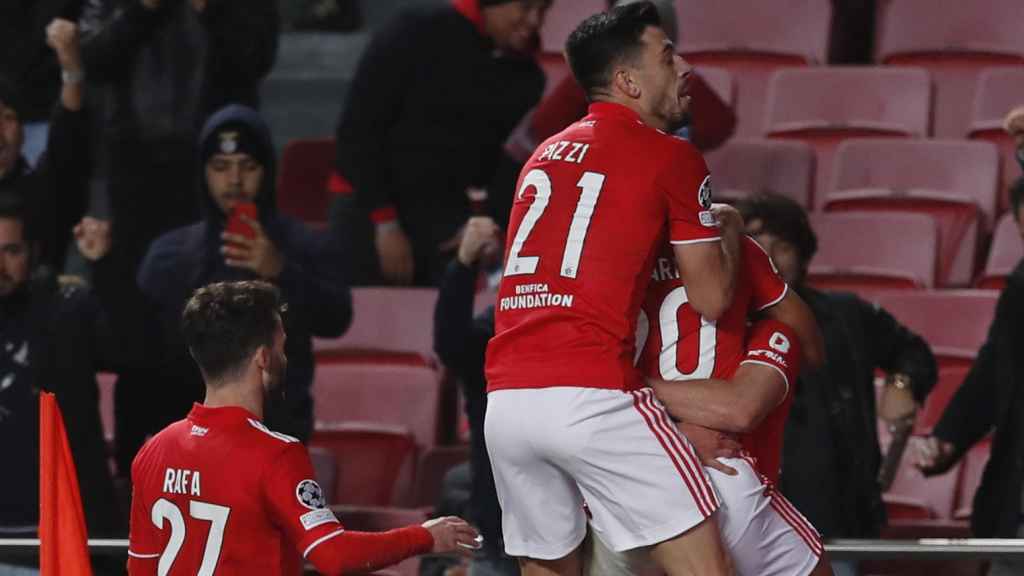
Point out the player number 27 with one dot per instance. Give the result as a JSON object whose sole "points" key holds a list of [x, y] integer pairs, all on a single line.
{"points": [[590, 185], [166, 511]]}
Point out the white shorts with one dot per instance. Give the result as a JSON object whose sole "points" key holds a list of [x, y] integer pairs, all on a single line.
{"points": [[763, 533], [552, 449]]}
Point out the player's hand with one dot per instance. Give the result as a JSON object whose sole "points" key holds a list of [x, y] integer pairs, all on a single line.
{"points": [[711, 445], [453, 534], [896, 404], [257, 254], [729, 218], [394, 253], [934, 456], [93, 238], [479, 240], [62, 37]]}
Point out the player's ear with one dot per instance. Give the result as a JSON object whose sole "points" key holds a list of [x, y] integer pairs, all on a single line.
{"points": [[623, 81], [262, 358]]}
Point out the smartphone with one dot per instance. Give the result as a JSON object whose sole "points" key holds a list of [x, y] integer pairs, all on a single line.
{"points": [[238, 226]]}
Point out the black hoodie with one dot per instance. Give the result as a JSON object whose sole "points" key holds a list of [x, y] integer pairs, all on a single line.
{"points": [[180, 261]]}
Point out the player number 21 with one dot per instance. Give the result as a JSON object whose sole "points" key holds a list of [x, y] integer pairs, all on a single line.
{"points": [[590, 185], [165, 510]]}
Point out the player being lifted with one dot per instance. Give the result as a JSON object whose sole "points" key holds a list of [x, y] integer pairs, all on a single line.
{"points": [[724, 376], [568, 419], [220, 493]]}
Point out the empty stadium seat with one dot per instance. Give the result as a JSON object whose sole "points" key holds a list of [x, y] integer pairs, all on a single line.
{"points": [[742, 167], [970, 477], [306, 166], [562, 18], [954, 40], [999, 91], [393, 325], [954, 322], [751, 40], [873, 251], [434, 464], [824, 106], [914, 497], [950, 379], [375, 463], [1006, 252], [380, 519], [394, 394], [954, 181]]}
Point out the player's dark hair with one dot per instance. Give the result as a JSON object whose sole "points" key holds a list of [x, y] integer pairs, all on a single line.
{"points": [[605, 39], [783, 218], [13, 208], [1017, 197], [225, 323]]}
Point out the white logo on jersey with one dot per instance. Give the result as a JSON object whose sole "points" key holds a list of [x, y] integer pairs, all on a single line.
{"points": [[310, 495], [199, 430], [779, 342], [704, 193], [316, 518]]}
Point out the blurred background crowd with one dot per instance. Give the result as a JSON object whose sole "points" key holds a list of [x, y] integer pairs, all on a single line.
{"points": [[363, 155]]}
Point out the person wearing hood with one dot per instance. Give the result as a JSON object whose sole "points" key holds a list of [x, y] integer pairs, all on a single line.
{"points": [[237, 166], [420, 140]]}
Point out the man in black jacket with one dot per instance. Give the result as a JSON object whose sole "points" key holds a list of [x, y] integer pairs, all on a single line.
{"points": [[434, 98], [167, 65], [57, 335], [64, 169], [831, 457], [991, 398], [238, 166], [460, 340]]}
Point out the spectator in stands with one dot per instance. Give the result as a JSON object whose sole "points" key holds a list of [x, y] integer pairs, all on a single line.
{"points": [[238, 167], [168, 65], [1015, 128], [832, 424], [711, 122], [991, 400], [64, 169], [27, 61], [57, 335], [460, 340], [436, 94]]}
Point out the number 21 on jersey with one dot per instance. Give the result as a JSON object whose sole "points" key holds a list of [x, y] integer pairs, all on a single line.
{"points": [[590, 185]]}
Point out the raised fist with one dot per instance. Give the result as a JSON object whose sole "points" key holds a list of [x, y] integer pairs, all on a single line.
{"points": [[62, 36]]}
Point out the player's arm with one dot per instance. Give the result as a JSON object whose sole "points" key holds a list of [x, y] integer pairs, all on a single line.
{"points": [[795, 313], [144, 546], [709, 271], [759, 385]]}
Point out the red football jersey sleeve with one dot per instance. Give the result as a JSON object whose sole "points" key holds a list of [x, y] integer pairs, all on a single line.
{"points": [[687, 187], [295, 501], [766, 286]]}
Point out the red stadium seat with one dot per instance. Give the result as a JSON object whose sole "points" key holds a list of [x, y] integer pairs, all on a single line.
{"points": [[914, 497], [375, 462], [434, 464], [950, 379], [929, 313], [953, 181], [999, 91], [751, 40], [873, 251], [393, 394], [302, 182], [720, 81], [379, 519], [393, 325], [562, 18], [1006, 252], [954, 40], [742, 167], [970, 477], [824, 106]]}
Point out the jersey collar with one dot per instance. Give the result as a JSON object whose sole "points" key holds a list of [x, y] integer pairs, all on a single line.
{"points": [[206, 416], [612, 110]]}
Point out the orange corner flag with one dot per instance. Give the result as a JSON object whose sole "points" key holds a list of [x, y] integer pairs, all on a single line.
{"points": [[63, 546]]}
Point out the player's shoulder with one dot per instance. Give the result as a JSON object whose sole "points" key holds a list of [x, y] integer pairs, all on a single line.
{"points": [[153, 449], [265, 441]]}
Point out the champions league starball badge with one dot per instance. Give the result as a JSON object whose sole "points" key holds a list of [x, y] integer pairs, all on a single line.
{"points": [[310, 495], [704, 194]]}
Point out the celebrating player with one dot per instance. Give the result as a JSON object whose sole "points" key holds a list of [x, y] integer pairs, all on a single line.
{"points": [[723, 376], [567, 417], [218, 492]]}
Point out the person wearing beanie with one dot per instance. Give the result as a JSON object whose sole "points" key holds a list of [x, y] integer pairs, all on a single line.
{"points": [[237, 166], [55, 192], [434, 98]]}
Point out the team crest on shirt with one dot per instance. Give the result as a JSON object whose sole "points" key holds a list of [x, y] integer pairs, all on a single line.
{"points": [[310, 495], [704, 194]]}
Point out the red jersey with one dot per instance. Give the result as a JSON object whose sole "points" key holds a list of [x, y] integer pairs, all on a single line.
{"points": [[677, 343], [219, 492], [594, 204]]}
